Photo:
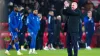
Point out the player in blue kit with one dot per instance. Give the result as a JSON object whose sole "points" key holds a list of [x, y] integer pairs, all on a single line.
{"points": [[33, 25], [15, 24]]}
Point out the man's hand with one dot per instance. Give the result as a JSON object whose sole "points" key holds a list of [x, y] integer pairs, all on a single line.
{"points": [[94, 27], [99, 22], [65, 33], [28, 34], [17, 29], [66, 4]]}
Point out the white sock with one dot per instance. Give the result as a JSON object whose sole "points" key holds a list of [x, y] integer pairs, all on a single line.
{"points": [[52, 46], [7, 51], [46, 46], [18, 51], [30, 50], [78, 44], [86, 44], [22, 47], [33, 49]]}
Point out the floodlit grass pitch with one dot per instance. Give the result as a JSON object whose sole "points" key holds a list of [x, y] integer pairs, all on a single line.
{"points": [[58, 52]]}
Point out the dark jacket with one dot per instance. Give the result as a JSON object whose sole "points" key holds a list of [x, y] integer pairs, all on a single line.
{"points": [[57, 28], [51, 23], [42, 26], [98, 14], [24, 27], [74, 19], [89, 25]]}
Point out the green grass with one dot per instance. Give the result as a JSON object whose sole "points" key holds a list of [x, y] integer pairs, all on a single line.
{"points": [[58, 52]]}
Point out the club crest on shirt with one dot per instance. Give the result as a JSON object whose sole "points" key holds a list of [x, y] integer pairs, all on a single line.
{"points": [[33, 17], [37, 19], [19, 19], [91, 21]]}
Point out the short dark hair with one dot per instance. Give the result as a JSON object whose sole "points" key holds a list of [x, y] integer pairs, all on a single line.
{"points": [[15, 6], [89, 11]]}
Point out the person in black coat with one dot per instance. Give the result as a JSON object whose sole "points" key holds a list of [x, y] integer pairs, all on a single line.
{"points": [[51, 22], [24, 14], [72, 26], [39, 40], [57, 29], [98, 14]]}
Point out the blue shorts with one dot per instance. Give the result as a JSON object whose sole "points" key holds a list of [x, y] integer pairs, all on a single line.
{"points": [[14, 35]]}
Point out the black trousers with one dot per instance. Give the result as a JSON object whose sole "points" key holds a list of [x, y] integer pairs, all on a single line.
{"points": [[72, 43], [56, 39], [21, 37], [39, 41], [89, 36], [50, 38], [80, 32]]}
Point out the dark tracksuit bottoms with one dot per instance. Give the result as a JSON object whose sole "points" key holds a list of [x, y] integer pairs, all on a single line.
{"points": [[72, 42]]}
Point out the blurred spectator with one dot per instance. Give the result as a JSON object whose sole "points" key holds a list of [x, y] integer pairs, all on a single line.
{"points": [[11, 0], [24, 14], [57, 28], [83, 13], [10, 7], [64, 17], [81, 3], [45, 38], [26, 11], [31, 6], [98, 14], [17, 2], [80, 33], [94, 11], [52, 7], [36, 5], [58, 6], [44, 7], [25, 2], [39, 41], [52, 2], [50, 31], [89, 5]]}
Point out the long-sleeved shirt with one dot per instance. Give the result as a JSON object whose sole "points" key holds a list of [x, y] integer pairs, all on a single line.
{"points": [[14, 21], [33, 23], [89, 24]]}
